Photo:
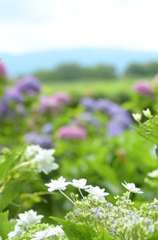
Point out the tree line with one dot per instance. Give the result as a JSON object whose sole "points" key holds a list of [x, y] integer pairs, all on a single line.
{"points": [[74, 72]]}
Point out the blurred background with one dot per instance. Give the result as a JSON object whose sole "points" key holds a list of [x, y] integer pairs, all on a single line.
{"points": [[71, 75], [42, 35]]}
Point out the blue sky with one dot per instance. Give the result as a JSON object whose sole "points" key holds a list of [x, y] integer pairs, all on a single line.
{"points": [[39, 25]]}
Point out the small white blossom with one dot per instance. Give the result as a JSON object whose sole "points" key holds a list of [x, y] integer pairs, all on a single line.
{"points": [[43, 158], [147, 113], [56, 231], [97, 193], [153, 174], [32, 150], [45, 161], [131, 187], [81, 183], [17, 232], [40, 235], [137, 117], [59, 184], [47, 233], [28, 218]]}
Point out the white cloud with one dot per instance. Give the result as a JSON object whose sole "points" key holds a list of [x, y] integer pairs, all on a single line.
{"points": [[58, 24]]}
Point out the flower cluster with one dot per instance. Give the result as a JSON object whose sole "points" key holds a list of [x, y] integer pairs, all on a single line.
{"points": [[60, 184], [28, 219], [54, 103], [25, 219], [120, 119], [3, 71], [70, 132], [42, 158], [137, 116], [143, 88], [44, 141]]}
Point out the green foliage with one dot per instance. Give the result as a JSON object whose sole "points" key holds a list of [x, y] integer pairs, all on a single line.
{"points": [[141, 70], [77, 231], [5, 225], [73, 72], [11, 191], [149, 129]]}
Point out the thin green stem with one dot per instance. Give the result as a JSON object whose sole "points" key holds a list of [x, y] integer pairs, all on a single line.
{"points": [[67, 197], [81, 193]]}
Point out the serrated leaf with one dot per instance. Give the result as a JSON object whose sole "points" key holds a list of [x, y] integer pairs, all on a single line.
{"points": [[5, 225], [76, 231], [148, 134]]}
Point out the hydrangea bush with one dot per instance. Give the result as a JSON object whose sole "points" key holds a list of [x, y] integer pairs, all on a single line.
{"points": [[92, 216]]}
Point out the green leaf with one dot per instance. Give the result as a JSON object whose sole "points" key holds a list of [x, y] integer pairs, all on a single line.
{"points": [[7, 165], [150, 135], [76, 231], [5, 225], [11, 192], [104, 235]]}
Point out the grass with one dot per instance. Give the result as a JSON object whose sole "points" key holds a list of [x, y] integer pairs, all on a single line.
{"points": [[89, 87]]}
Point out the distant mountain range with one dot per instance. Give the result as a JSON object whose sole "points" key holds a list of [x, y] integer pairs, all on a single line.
{"points": [[29, 63]]}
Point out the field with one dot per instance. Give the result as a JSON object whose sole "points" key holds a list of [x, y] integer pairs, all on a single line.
{"points": [[90, 87], [81, 136]]}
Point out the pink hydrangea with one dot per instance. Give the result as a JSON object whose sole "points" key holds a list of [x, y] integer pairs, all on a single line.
{"points": [[55, 102], [155, 81], [143, 88], [3, 71], [68, 132], [62, 97]]}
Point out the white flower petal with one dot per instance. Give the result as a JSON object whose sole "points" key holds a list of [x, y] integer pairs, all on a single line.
{"points": [[59, 184], [131, 187], [97, 193], [28, 218]]}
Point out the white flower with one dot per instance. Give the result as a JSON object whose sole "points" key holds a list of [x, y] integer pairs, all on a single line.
{"points": [[41, 234], [81, 183], [28, 218], [153, 174], [59, 184], [147, 113], [97, 193], [32, 150], [45, 161], [0, 238], [131, 187], [47, 233], [17, 232], [137, 117], [56, 231]]}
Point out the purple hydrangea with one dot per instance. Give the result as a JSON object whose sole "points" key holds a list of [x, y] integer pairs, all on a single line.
{"points": [[143, 88], [47, 128], [3, 110], [75, 133], [44, 141], [114, 129], [108, 107], [12, 94], [119, 123], [86, 118], [29, 85], [3, 71], [87, 103]]}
